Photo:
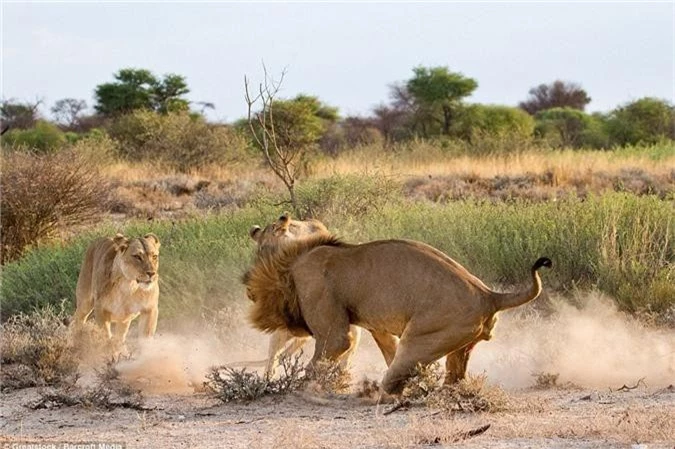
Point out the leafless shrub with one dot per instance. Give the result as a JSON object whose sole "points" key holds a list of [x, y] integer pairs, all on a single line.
{"points": [[37, 349], [42, 194], [329, 377], [544, 381], [239, 385], [106, 395], [424, 381], [472, 394]]}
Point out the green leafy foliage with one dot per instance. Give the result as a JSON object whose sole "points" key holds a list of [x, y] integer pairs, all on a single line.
{"points": [[44, 137], [140, 89], [571, 128], [492, 120], [437, 92], [644, 121], [179, 140]]}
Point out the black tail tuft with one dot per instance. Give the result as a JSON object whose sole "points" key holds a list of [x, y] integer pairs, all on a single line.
{"points": [[542, 262]]}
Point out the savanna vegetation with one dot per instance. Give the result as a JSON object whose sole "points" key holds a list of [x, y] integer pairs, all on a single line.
{"points": [[493, 186]]}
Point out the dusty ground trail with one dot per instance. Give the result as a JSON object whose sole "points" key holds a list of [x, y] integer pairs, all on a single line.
{"points": [[550, 418]]}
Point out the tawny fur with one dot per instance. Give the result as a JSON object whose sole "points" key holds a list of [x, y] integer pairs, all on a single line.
{"points": [[270, 285], [398, 287], [283, 342], [118, 281]]}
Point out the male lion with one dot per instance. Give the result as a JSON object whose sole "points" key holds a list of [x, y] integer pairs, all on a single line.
{"points": [[119, 281], [270, 240], [320, 286]]}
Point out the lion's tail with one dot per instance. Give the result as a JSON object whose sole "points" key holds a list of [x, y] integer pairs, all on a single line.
{"points": [[505, 301]]}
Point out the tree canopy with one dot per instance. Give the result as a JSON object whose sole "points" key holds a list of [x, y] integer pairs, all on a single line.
{"points": [[438, 90], [140, 89], [558, 94]]}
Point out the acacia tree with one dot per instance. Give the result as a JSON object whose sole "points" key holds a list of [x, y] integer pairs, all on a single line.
{"points": [[285, 130], [558, 94], [140, 89], [68, 111], [17, 115], [436, 89]]}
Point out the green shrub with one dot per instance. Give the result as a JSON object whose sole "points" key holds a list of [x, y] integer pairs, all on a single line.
{"points": [[179, 140], [348, 196], [567, 127], [644, 121], [44, 137], [493, 120]]}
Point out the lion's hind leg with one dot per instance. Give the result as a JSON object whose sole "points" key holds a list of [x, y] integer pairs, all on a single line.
{"points": [[421, 349], [456, 363]]}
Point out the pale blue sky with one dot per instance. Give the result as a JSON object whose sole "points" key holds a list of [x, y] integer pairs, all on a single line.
{"points": [[345, 53]]}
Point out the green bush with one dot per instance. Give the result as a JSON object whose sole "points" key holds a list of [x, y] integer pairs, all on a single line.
{"points": [[644, 121], [349, 196], [179, 140], [492, 120], [567, 127], [44, 137]]}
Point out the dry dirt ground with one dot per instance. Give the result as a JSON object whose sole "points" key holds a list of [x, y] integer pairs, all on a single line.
{"points": [[594, 350], [640, 418]]}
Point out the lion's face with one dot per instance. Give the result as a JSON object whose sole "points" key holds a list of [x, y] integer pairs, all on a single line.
{"points": [[139, 259], [284, 230]]}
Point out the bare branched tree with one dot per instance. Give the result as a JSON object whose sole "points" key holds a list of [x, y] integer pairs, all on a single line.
{"points": [[283, 159]]}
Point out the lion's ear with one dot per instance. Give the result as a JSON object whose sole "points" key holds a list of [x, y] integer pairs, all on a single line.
{"points": [[152, 236], [254, 232], [284, 222], [121, 242]]}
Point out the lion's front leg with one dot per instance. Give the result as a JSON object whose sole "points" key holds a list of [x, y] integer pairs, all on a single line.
{"points": [[148, 322]]}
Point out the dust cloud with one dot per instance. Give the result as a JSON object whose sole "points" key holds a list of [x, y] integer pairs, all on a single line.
{"points": [[591, 346]]}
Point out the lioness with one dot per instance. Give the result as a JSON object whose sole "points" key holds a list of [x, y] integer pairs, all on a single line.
{"points": [[119, 281], [271, 239], [320, 286]]}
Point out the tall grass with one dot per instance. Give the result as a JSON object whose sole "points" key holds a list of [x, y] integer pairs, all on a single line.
{"points": [[619, 243]]}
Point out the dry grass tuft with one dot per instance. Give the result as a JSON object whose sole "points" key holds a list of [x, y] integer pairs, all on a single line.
{"points": [[424, 381], [472, 394], [545, 381], [37, 350], [239, 385], [108, 393], [329, 377]]}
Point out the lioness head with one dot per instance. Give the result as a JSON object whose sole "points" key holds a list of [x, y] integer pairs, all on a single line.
{"points": [[139, 258], [283, 230]]}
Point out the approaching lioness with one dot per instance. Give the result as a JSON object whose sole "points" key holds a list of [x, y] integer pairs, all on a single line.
{"points": [[119, 281], [270, 240], [320, 286]]}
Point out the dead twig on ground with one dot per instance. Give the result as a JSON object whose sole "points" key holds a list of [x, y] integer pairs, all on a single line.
{"points": [[627, 388]]}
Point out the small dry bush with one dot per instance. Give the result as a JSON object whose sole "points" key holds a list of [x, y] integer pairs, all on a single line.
{"points": [[424, 381], [45, 194], [37, 350], [329, 377], [545, 381], [472, 394], [108, 393], [239, 385]]}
